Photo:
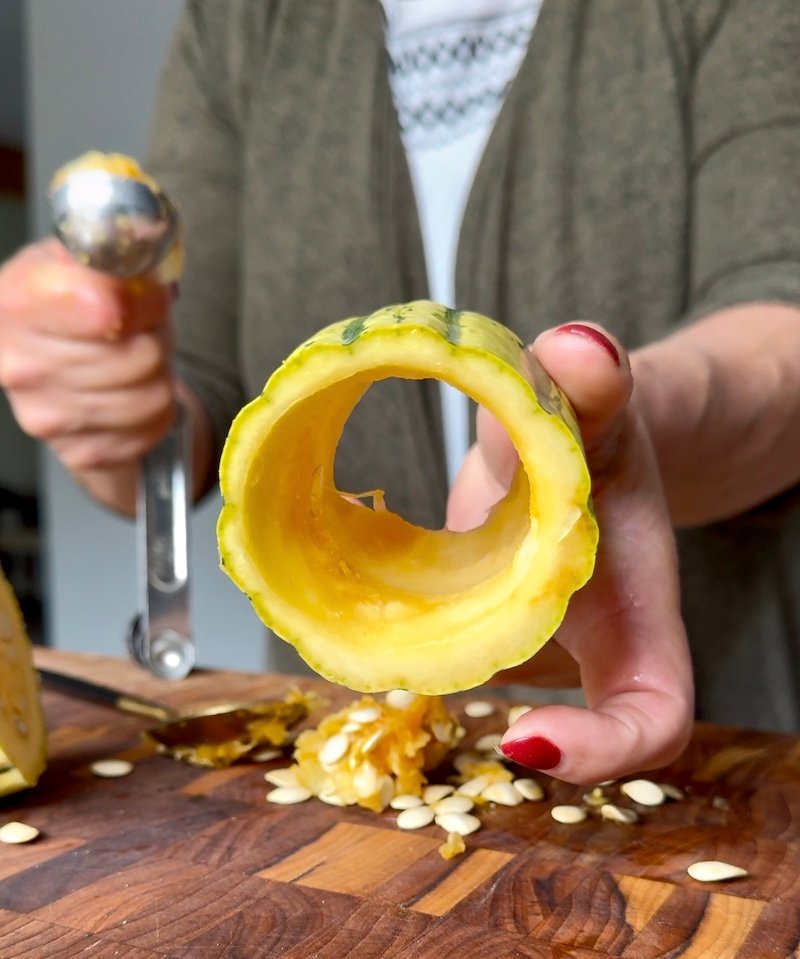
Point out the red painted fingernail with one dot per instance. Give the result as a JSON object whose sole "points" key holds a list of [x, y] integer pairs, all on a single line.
{"points": [[591, 334], [174, 290], [536, 752]]}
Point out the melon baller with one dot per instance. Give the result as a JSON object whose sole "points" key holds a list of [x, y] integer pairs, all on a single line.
{"points": [[127, 227]]}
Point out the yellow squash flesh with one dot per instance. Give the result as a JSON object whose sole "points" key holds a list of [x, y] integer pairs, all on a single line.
{"points": [[369, 600], [23, 740]]}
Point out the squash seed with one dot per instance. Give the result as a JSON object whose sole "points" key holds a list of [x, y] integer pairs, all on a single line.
{"points": [[712, 870], [644, 792], [672, 792], [432, 794], [568, 814], [111, 768], [454, 803], [504, 794], [372, 741], [489, 743], [462, 823], [473, 787], [289, 795], [618, 814], [18, 832], [364, 714], [331, 798], [516, 712], [415, 818], [405, 801], [399, 698], [478, 709], [265, 755], [333, 749], [529, 789], [282, 777]]}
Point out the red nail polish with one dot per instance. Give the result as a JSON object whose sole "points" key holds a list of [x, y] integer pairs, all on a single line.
{"points": [[536, 752], [591, 334]]}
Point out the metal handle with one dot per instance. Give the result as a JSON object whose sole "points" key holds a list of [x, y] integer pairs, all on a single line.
{"points": [[160, 636]]}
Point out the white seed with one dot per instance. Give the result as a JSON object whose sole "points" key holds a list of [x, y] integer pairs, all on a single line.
{"points": [[350, 728], [721, 803], [618, 814], [462, 760], [462, 823], [489, 743], [515, 712], [478, 709], [332, 799], [265, 755], [399, 698], [672, 792], [366, 714], [442, 731], [712, 870], [282, 777], [289, 795], [405, 801], [474, 787], [17, 832], [385, 791], [111, 768], [453, 803], [644, 792], [372, 741], [432, 794], [529, 789], [504, 794], [366, 781], [568, 814], [333, 749], [415, 818]]}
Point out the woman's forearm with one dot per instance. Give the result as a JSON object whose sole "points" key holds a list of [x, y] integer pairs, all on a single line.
{"points": [[721, 399]]}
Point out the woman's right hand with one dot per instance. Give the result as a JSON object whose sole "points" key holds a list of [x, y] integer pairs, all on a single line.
{"points": [[85, 359]]}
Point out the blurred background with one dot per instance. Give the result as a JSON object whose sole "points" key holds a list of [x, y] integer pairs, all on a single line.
{"points": [[75, 76]]}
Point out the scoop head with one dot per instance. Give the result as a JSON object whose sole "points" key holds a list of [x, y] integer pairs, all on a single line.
{"points": [[113, 223]]}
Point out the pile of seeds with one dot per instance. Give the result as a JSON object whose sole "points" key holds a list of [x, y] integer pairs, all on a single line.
{"points": [[376, 753]]}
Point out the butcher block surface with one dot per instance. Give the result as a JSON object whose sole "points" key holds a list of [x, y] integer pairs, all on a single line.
{"points": [[176, 862]]}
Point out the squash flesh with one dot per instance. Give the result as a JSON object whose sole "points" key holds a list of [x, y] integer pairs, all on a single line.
{"points": [[23, 742], [368, 599]]}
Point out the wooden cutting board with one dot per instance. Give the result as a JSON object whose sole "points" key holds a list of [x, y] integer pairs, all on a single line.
{"points": [[173, 862]]}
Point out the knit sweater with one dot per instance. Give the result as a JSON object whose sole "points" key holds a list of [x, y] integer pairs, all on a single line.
{"points": [[642, 173]]}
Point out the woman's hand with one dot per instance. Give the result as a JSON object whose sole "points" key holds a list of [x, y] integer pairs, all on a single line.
{"points": [[622, 637], [85, 361]]}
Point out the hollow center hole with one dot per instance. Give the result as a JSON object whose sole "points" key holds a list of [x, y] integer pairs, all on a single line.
{"points": [[394, 441]]}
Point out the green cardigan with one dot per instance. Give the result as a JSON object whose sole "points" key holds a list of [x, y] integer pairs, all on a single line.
{"points": [[644, 171]]}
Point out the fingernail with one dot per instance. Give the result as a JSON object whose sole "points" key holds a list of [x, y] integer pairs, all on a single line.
{"points": [[536, 752], [174, 290], [591, 334]]}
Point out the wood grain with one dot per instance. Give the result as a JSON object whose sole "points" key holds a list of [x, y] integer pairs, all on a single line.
{"points": [[175, 862]]}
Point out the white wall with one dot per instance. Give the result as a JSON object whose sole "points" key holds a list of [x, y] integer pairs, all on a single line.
{"points": [[92, 68]]}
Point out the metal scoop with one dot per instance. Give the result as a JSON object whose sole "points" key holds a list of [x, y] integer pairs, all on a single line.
{"points": [[216, 736], [125, 227]]}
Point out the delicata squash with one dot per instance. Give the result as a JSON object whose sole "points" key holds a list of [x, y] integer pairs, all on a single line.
{"points": [[369, 600], [23, 739]]}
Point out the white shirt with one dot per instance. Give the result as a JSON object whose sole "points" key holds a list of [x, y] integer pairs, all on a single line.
{"points": [[452, 62]]}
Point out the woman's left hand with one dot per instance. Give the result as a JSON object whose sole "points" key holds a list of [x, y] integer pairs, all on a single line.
{"points": [[623, 638]]}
